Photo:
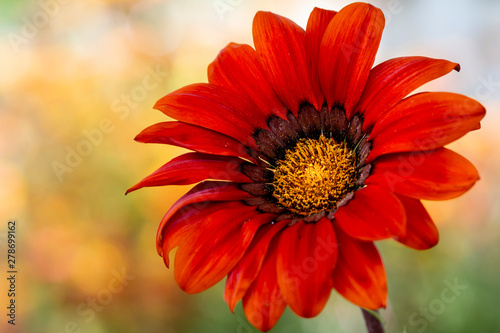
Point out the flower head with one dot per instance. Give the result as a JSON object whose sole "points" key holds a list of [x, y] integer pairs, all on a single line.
{"points": [[304, 156]]}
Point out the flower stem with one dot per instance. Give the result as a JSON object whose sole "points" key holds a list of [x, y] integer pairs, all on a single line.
{"points": [[373, 323]]}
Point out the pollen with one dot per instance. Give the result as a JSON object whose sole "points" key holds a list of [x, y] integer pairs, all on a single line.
{"points": [[315, 175]]}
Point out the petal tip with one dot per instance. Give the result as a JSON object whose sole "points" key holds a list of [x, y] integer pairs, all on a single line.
{"points": [[140, 138], [132, 189], [261, 15]]}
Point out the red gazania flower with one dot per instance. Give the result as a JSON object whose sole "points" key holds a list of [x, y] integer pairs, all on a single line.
{"points": [[304, 156]]}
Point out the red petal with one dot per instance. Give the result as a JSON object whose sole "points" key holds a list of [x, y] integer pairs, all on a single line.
{"points": [[307, 254], [421, 232], [425, 121], [193, 137], [263, 303], [191, 168], [373, 214], [359, 275], [280, 45], [347, 53], [176, 228], [214, 107], [394, 79], [198, 199], [316, 27], [246, 271], [238, 67], [432, 175], [209, 252]]}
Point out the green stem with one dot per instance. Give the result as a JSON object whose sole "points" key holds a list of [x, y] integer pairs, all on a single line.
{"points": [[373, 322]]}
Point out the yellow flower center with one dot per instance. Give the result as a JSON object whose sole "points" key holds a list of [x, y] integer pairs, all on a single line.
{"points": [[315, 175]]}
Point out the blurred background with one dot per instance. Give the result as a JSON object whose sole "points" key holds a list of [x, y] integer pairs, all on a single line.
{"points": [[78, 80]]}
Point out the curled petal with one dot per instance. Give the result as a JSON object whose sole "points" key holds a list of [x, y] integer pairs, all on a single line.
{"points": [[431, 175]]}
